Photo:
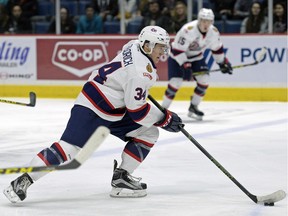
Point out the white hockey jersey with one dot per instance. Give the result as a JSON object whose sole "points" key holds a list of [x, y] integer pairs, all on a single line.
{"points": [[122, 86], [190, 44]]}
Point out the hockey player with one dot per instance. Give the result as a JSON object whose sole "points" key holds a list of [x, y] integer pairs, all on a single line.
{"points": [[187, 56], [114, 96]]}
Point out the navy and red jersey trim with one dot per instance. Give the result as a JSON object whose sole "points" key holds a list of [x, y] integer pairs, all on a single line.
{"points": [[194, 56], [99, 101], [176, 52], [140, 113], [219, 51]]}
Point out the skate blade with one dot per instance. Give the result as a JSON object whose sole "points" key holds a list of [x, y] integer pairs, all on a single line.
{"points": [[194, 116], [126, 193], [11, 195]]}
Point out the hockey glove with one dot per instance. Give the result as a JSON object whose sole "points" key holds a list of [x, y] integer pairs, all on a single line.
{"points": [[170, 122], [226, 67]]}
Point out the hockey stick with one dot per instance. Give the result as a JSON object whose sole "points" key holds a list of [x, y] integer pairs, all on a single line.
{"points": [[32, 97], [258, 60], [266, 200], [91, 145]]}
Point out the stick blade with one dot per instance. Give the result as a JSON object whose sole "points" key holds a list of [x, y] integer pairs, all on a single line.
{"points": [[32, 97], [272, 198], [261, 54]]}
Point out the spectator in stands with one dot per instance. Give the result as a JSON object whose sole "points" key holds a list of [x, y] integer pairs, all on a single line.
{"points": [[179, 16], [223, 9], [90, 23], [143, 7], [154, 17], [107, 9], [256, 22], [241, 9], [167, 6], [29, 7], [67, 24], [17, 23], [3, 18], [280, 18]]}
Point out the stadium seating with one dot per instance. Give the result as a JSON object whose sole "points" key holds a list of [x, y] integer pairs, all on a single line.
{"points": [[233, 26], [45, 8], [219, 24], [206, 4], [41, 27], [112, 27], [133, 27]]}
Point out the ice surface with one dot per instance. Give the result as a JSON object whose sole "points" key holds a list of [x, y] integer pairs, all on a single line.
{"points": [[249, 139]]}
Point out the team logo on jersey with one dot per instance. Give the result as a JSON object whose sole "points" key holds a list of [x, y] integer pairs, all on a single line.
{"points": [[149, 68], [145, 74], [79, 58], [194, 46], [190, 28]]}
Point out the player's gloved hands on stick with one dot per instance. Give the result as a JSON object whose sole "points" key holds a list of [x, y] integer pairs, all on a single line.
{"points": [[170, 122], [226, 67]]}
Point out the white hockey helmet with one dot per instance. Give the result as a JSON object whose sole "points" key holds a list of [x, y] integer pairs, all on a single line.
{"points": [[154, 35], [206, 14]]}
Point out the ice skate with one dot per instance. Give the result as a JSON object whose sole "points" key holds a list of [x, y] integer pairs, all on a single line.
{"points": [[18, 188], [195, 113], [125, 185]]}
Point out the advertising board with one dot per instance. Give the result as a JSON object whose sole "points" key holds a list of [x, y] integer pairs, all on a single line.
{"points": [[17, 59]]}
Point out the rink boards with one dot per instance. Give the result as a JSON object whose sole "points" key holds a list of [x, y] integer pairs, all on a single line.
{"points": [[57, 66]]}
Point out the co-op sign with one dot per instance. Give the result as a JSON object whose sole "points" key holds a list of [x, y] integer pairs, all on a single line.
{"points": [[79, 58]]}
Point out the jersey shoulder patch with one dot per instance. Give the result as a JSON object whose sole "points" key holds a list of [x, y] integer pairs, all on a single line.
{"points": [[190, 27], [148, 72], [149, 68], [215, 29]]}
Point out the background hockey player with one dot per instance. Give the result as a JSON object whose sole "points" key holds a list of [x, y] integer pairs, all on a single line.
{"points": [[114, 96], [187, 56]]}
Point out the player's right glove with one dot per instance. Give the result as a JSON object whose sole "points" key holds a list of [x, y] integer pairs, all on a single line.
{"points": [[226, 67], [170, 122]]}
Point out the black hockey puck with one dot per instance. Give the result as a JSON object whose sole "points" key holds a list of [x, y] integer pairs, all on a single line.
{"points": [[268, 204]]}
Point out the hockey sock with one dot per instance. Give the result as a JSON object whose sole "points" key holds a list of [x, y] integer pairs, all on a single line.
{"points": [[199, 93], [133, 154], [169, 96], [54, 155]]}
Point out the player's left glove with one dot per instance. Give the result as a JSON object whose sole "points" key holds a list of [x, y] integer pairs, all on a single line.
{"points": [[170, 122], [226, 67]]}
